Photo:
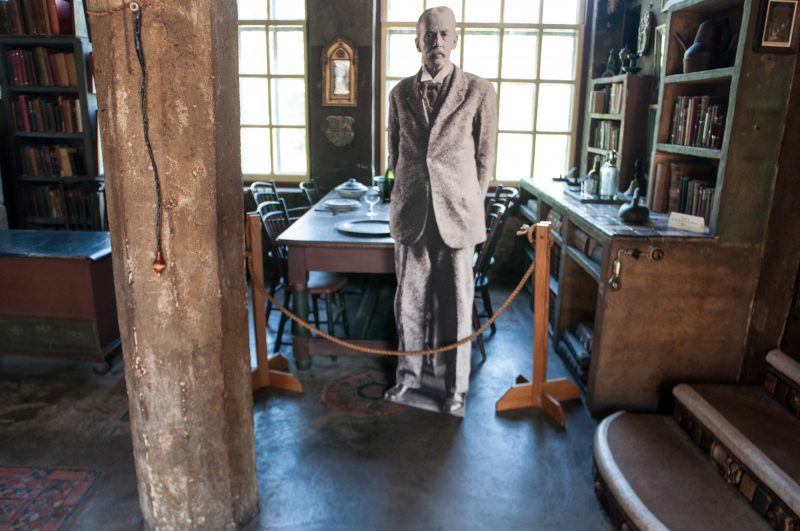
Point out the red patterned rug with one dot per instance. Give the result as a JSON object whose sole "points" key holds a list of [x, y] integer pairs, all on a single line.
{"points": [[40, 498]]}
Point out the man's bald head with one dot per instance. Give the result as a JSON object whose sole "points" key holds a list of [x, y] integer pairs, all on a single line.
{"points": [[436, 37]]}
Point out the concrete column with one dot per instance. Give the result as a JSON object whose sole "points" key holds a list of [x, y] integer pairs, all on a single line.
{"points": [[184, 333]]}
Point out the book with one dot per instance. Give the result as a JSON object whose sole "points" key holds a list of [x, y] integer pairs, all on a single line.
{"points": [[661, 188], [680, 170]]}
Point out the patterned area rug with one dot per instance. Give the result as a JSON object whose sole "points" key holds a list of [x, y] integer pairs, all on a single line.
{"points": [[40, 498], [361, 394]]}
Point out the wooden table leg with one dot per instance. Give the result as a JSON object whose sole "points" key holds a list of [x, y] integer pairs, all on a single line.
{"points": [[298, 278]]}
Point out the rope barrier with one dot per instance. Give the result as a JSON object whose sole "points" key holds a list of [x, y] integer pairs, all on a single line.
{"points": [[524, 230]]}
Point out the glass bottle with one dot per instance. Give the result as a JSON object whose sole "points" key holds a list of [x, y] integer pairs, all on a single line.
{"points": [[388, 184], [593, 179], [609, 177]]}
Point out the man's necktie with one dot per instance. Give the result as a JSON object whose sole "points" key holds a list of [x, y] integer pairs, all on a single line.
{"points": [[430, 95]]}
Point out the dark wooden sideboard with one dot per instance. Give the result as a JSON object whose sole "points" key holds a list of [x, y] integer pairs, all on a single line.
{"points": [[57, 295]]}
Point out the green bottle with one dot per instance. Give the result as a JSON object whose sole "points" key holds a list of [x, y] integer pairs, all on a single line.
{"points": [[388, 184]]}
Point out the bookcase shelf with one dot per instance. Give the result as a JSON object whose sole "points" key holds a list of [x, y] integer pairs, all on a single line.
{"points": [[30, 89], [615, 119], [49, 135], [695, 115], [691, 151], [707, 76], [47, 82], [605, 116]]}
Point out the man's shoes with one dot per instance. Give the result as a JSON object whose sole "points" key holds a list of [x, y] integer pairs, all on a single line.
{"points": [[397, 392], [454, 402]]}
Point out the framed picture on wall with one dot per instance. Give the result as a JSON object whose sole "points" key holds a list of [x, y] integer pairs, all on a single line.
{"points": [[339, 74], [778, 26]]}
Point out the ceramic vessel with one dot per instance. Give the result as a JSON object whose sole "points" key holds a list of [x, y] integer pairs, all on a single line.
{"points": [[351, 189]]}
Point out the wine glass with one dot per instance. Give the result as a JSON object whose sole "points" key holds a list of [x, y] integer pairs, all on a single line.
{"points": [[372, 197]]}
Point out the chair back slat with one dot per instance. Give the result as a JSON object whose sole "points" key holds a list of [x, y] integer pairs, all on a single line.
{"points": [[310, 191], [264, 191], [497, 218]]}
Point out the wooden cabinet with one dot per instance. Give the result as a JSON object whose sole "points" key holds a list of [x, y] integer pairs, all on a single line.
{"points": [[677, 311], [615, 118]]}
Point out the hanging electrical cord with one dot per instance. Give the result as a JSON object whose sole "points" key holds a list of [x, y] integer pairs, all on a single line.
{"points": [[158, 264]]}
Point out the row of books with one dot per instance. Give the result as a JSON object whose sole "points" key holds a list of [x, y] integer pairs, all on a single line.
{"points": [[698, 121], [36, 17], [575, 349], [607, 100], [42, 67], [79, 208], [605, 135], [46, 114], [684, 186], [52, 161]]}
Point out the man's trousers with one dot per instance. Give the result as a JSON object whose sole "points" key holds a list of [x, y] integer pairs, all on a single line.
{"points": [[433, 306]]}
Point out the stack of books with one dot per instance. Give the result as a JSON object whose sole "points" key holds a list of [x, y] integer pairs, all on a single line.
{"points": [[36, 17], [52, 161], [684, 186], [606, 135], [49, 114], [42, 67], [698, 121]]}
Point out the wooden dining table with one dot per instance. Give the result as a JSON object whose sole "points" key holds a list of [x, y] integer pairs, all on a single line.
{"points": [[317, 242]]}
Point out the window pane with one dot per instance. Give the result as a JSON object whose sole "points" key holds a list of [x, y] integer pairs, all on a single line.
{"points": [[290, 151], [519, 54], [513, 156], [551, 156], [252, 10], [481, 52], [253, 50], [554, 109], [389, 86], [288, 102], [287, 9], [455, 5], [401, 54], [516, 106], [286, 50], [255, 151], [482, 11], [560, 12], [558, 55], [521, 11], [404, 10], [253, 99]]}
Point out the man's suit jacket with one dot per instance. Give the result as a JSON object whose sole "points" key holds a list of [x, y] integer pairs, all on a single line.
{"points": [[454, 156]]}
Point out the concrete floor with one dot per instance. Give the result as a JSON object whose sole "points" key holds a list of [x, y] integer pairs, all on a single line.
{"points": [[325, 466]]}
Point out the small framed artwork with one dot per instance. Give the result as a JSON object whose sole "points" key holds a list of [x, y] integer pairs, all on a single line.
{"points": [[339, 74], [778, 29]]}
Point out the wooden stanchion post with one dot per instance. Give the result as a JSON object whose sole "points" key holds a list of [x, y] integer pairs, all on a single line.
{"points": [[269, 372], [541, 393]]}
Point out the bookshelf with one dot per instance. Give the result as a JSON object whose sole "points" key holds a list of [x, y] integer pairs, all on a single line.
{"points": [[696, 113], [48, 115], [616, 116]]}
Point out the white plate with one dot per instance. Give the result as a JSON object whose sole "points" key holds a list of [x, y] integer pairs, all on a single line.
{"points": [[342, 204], [365, 227]]}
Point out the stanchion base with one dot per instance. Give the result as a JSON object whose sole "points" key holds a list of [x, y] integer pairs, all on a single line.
{"points": [[553, 393], [276, 379]]}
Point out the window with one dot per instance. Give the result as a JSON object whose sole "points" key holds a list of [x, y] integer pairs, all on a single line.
{"points": [[529, 49], [272, 89]]}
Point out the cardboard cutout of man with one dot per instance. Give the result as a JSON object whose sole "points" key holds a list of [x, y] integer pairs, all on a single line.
{"points": [[442, 131]]}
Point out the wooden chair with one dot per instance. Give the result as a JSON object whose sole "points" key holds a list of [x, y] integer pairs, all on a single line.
{"points": [[483, 261], [505, 195], [328, 286], [267, 191], [311, 192]]}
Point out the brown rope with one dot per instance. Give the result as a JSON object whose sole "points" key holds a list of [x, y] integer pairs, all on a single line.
{"points": [[385, 352]]}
